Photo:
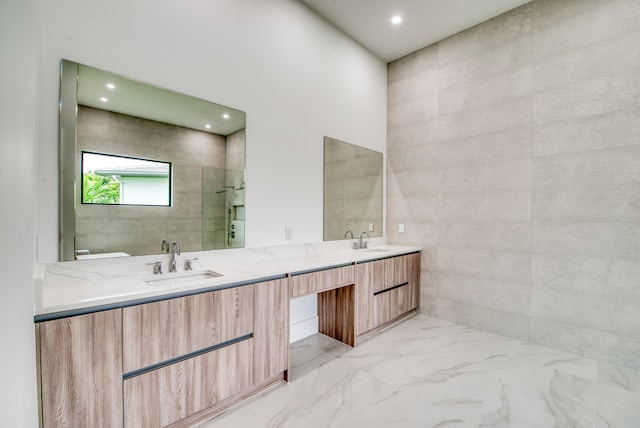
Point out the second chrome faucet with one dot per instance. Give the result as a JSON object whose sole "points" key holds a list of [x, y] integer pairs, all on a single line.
{"points": [[175, 251]]}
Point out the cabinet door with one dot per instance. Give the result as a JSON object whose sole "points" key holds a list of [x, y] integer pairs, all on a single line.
{"points": [[369, 277], [400, 294], [81, 370], [159, 331], [172, 393], [271, 329]]}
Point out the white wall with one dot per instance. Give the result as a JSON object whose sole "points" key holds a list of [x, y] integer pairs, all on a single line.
{"points": [[19, 62], [297, 78]]}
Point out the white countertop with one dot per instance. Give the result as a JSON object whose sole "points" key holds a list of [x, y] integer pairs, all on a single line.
{"points": [[83, 286]]}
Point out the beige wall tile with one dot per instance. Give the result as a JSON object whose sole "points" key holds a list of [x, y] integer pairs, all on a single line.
{"points": [[485, 293], [615, 128], [598, 202], [618, 277], [614, 166], [493, 320], [512, 205], [490, 34], [597, 344], [505, 175], [499, 265], [491, 235], [593, 23], [608, 313], [593, 239], [492, 147]]}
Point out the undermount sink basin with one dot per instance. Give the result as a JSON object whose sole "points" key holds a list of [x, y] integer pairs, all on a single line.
{"points": [[180, 278], [377, 250]]}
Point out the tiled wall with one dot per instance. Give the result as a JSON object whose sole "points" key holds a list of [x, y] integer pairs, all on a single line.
{"points": [[514, 161], [140, 230]]}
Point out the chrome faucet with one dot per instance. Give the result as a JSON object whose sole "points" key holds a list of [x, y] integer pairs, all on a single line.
{"points": [[188, 263], [364, 244], [175, 251]]}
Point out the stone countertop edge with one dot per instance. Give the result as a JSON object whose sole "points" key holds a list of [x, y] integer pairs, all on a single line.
{"points": [[94, 295]]}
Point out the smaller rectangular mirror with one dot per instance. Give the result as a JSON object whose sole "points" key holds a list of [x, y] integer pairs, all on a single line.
{"points": [[353, 182], [120, 180]]}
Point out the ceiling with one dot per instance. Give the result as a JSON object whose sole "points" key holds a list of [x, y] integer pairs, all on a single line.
{"points": [[128, 96], [424, 21]]}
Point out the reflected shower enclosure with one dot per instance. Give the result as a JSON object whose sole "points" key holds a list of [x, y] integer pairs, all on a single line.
{"points": [[222, 208]]}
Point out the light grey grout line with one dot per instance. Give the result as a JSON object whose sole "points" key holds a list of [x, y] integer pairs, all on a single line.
{"points": [[531, 181]]}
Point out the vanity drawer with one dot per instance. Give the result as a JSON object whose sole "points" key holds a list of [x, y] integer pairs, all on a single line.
{"points": [[172, 393], [323, 280], [156, 332]]}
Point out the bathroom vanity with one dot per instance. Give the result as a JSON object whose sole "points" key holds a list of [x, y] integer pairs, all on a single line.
{"points": [[181, 355]]}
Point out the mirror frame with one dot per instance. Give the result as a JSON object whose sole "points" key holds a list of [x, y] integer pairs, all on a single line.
{"points": [[67, 159]]}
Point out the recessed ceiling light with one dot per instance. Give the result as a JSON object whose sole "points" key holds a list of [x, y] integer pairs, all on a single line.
{"points": [[396, 20], [111, 86], [207, 126], [226, 116], [104, 99]]}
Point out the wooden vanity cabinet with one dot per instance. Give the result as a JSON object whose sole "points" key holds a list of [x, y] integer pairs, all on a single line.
{"points": [[174, 362], [271, 331], [80, 362], [386, 290]]}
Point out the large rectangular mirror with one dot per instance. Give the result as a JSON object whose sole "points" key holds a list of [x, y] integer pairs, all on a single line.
{"points": [[165, 166], [352, 190]]}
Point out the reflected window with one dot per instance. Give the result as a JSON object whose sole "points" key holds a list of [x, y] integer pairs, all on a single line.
{"points": [[119, 180]]}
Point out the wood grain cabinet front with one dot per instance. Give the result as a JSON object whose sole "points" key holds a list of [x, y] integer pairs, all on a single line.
{"points": [[271, 330], [157, 332], [81, 370], [386, 289], [181, 390], [322, 280]]}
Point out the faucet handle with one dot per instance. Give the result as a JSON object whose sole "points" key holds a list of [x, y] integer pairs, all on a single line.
{"points": [[187, 263], [165, 246], [175, 248], [355, 245], [157, 267]]}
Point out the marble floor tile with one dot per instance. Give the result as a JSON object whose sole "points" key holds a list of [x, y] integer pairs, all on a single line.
{"points": [[426, 372], [618, 397]]}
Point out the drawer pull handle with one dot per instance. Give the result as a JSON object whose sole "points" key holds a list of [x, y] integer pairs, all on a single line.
{"points": [[390, 288], [174, 360]]}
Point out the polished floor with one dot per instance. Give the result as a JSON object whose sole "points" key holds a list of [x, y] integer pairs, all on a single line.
{"points": [[425, 372]]}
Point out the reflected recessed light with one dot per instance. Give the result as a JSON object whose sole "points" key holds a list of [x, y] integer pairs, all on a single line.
{"points": [[207, 126], [226, 116], [111, 86], [396, 20], [104, 99]]}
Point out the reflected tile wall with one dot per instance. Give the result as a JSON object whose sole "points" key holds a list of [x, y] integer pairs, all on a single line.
{"points": [[140, 230], [514, 161]]}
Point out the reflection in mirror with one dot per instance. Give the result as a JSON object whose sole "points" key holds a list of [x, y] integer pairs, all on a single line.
{"points": [[119, 180], [352, 190], [119, 118]]}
